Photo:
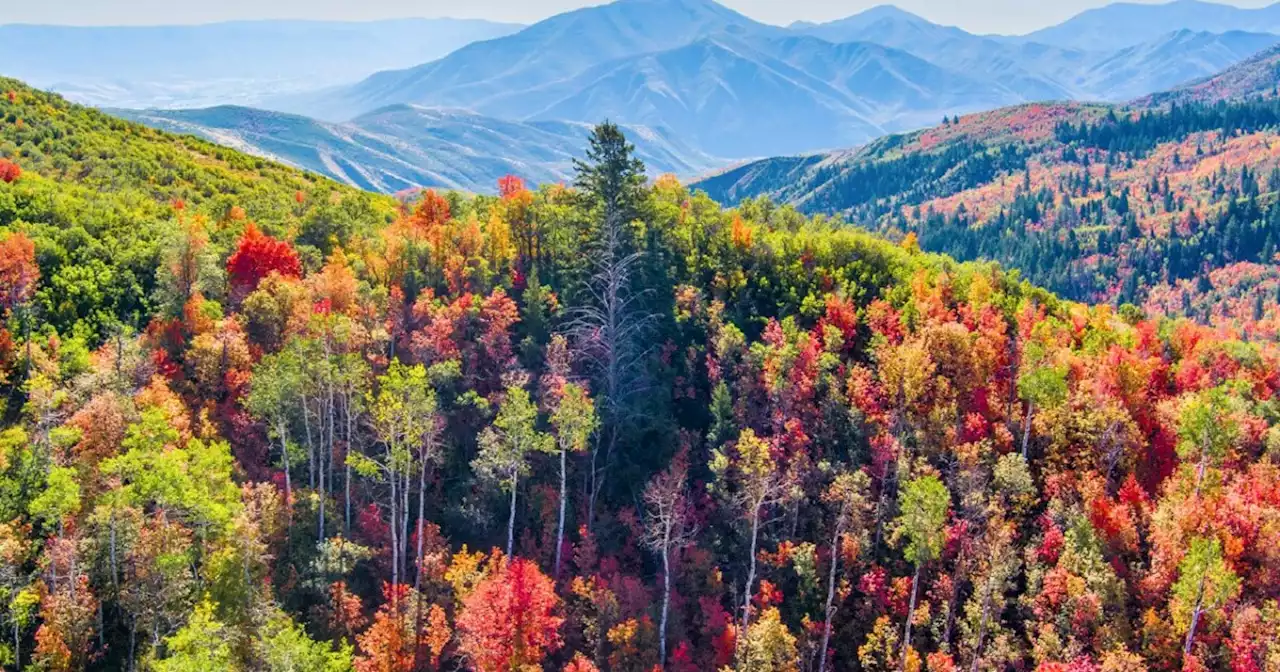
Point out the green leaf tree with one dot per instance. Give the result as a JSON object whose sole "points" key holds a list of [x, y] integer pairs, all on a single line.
{"points": [[574, 420], [505, 447], [1205, 583], [922, 515]]}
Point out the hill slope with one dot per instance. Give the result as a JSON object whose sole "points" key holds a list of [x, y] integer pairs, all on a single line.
{"points": [[103, 195], [1255, 77], [1096, 202], [404, 147]]}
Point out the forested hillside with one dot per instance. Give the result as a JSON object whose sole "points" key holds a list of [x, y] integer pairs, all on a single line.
{"points": [[269, 423], [102, 198], [1097, 203]]}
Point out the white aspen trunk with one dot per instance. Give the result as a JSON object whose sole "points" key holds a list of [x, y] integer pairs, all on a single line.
{"points": [[511, 519], [564, 493], [1195, 620], [311, 446], [831, 597], [911, 609], [666, 598], [288, 480], [404, 522], [1026, 429], [395, 524], [751, 579], [346, 479]]}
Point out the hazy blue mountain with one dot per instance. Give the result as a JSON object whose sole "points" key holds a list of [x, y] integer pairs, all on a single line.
{"points": [[237, 61], [559, 47], [1035, 70], [884, 24], [1030, 70], [403, 146], [738, 97], [734, 100], [725, 85], [1171, 60], [1126, 24]]}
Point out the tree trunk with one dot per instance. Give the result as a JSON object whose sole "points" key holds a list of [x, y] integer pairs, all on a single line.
{"points": [[751, 579], [404, 522], [831, 598], [346, 479], [288, 481], [511, 519], [422, 496], [1026, 429], [1195, 621], [395, 526], [320, 522], [311, 446], [911, 609], [1200, 468], [666, 602], [564, 493], [417, 579], [982, 625]]}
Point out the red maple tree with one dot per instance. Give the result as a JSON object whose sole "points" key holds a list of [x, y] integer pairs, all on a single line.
{"points": [[257, 256], [9, 171], [510, 620]]}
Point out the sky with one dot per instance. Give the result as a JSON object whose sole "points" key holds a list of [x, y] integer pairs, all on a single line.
{"points": [[979, 16]]}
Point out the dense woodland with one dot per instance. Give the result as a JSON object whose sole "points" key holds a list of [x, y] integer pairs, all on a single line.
{"points": [[1096, 217], [257, 421], [1097, 204]]}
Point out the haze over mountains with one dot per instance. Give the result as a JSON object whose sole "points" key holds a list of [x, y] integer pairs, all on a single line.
{"points": [[739, 88], [1122, 24], [238, 62], [701, 84]]}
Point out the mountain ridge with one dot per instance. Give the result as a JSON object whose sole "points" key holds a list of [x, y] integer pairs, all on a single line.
{"points": [[404, 146], [649, 62]]}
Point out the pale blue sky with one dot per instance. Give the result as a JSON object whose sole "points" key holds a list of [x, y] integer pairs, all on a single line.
{"points": [[982, 16]]}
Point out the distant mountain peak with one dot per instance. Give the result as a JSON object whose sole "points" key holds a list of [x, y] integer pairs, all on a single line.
{"points": [[870, 16], [1124, 24], [889, 11]]}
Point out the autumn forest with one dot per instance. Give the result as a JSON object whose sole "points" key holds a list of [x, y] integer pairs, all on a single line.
{"points": [[257, 420]]}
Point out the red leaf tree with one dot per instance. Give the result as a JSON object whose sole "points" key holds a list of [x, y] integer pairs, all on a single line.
{"points": [[9, 171], [257, 256], [510, 620]]}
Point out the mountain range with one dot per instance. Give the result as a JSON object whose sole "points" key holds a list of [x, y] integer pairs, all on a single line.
{"points": [[701, 85], [737, 88], [1123, 24], [243, 61]]}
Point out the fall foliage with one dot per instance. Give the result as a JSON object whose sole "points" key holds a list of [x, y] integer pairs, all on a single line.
{"points": [[607, 426]]}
